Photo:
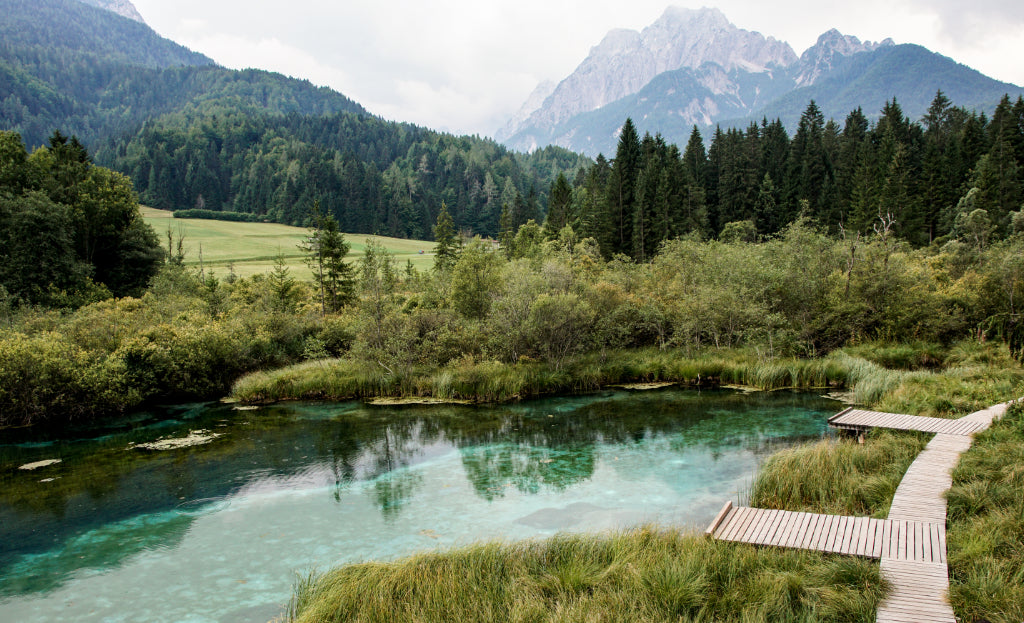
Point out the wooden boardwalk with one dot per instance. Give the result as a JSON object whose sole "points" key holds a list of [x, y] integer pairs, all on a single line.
{"points": [[866, 537], [910, 543], [859, 421]]}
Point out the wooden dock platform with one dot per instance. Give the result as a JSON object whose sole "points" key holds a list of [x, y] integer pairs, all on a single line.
{"points": [[860, 421], [910, 543]]}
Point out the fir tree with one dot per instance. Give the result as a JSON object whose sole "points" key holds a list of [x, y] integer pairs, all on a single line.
{"points": [[446, 251], [621, 191]]}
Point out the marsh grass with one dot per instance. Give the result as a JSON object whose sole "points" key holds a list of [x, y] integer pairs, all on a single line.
{"points": [[985, 533], [645, 574], [838, 476], [977, 376], [493, 381]]}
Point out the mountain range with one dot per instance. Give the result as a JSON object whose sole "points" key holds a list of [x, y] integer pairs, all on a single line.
{"points": [[695, 68]]}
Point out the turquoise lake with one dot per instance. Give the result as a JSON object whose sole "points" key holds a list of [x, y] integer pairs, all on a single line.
{"points": [[218, 532]]}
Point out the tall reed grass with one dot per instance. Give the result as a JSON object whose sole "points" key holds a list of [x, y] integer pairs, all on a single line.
{"points": [[838, 476], [978, 375]]}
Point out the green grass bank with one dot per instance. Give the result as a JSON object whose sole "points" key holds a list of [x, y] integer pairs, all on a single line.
{"points": [[971, 376]]}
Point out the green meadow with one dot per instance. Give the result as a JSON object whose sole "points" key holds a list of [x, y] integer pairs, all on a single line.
{"points": [[252, 248]]}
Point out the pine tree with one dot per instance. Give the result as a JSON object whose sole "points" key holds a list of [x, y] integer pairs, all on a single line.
{"points": [[446, 251], [809, 168], [621, 191], [559, 202], [695, 157], [326, 249]]}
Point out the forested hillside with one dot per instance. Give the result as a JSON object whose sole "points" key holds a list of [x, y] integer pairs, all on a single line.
{"points": [[955, 172], [194, 135], [373, 176], [71, 26]]}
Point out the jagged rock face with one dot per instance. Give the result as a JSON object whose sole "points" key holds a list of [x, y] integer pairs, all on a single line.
{"points": [[532, 103], [625, 61], [819, 58], [123, 8]]}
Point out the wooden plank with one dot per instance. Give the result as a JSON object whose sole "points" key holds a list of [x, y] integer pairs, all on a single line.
{"points": [[782, 533], [770, 527], [738, 527], [778, 525], [853, 529], [754, 533], [719, 518], [821, 532], [930, 555], [798, 529], [828, 530], [875, 540], [729, 525], [736, 521], [840, 414], [808, 534], [919, 543], [901, 547], [835, 534], [754, 516], [862, 537], [942, 544], [937, 551]]}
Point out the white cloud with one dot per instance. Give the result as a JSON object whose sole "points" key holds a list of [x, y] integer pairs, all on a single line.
{"points": [[466, 65]]}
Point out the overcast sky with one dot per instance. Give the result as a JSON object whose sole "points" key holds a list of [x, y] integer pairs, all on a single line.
{"points": [[467, 65]]}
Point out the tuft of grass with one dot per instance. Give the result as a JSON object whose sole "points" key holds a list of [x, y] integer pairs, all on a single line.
{"points": [[838, 476], [645, 574]]}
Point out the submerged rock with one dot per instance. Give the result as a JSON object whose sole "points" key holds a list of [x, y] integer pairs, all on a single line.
{"points": [[646, 386], [38, 464], [194, 438], [418, 400]]}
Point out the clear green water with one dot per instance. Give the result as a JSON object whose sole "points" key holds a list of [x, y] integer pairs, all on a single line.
{"points": [[217, 532]]}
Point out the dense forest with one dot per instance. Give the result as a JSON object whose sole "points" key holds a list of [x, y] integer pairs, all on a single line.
{"points": [[373, 176], [918, 181]]}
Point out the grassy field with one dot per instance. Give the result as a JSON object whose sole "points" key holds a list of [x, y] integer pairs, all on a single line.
{"points": [[251, 248]]}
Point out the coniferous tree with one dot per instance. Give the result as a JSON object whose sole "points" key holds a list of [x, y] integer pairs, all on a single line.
{"points": [[621, 191], [326, 249], [808, 168], [446, 249], [695, 158], [559, 204]]}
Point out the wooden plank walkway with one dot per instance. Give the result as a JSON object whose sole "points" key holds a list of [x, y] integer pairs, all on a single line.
{"points": [[858, 420], [866, 537], [910, 543]]}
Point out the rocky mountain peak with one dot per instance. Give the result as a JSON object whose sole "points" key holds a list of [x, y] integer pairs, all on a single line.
{"points": [[626, 60], [818, 59], [124, 8]]}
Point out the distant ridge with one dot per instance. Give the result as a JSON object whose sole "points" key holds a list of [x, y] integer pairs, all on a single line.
{"points": [[74, 26]]}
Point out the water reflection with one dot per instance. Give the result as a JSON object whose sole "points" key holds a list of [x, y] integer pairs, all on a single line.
{"points": [[493, 468], [106, 503]]}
